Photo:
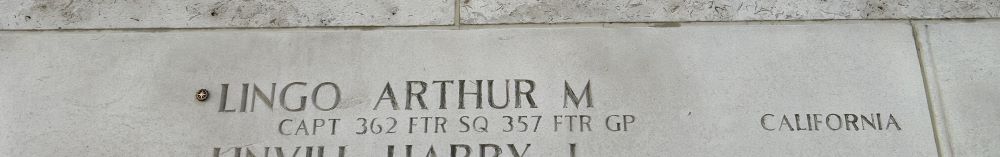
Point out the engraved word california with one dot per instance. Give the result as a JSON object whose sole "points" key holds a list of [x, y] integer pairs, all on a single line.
{"points": [[414, 96]]}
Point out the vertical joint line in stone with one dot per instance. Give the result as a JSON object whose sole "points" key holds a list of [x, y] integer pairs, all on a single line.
{"points": [[458, 13], [942, 141]]}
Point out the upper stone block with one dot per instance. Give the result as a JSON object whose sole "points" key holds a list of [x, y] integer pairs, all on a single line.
{"points": [[102, 14], [570, 11]]}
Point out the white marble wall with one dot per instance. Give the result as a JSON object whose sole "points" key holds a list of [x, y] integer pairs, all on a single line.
{"points": [[955, 43], [962, 60], [573, 11], [111, 14], [118, 14], [696, 91]]}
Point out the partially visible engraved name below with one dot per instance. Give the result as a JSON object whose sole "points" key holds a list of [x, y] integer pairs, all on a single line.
{"points": [[829, 122], [452, 150]]}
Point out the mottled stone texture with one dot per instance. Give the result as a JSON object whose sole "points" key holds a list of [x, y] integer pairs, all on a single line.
{"points": [[88, 14], [101, 14], [567, 11]]}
